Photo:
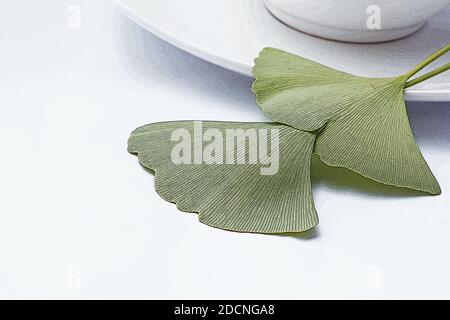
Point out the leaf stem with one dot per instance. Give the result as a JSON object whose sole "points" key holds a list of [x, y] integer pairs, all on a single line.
{"points": [[427, 76], [428, 60]]}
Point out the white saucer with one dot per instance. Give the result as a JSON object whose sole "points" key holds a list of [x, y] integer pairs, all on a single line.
{"points": [[230, 33]]}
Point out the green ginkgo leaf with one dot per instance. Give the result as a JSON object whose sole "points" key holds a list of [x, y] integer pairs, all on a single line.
{"points": [[362, 123], [260, 183]]}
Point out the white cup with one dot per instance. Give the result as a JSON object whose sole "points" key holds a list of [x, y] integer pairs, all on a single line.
{"points": [[356, 20]]}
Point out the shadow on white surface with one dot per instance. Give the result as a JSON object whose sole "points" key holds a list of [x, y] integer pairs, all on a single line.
{"points": [[431, 123], [152, 59], [307, 235]]}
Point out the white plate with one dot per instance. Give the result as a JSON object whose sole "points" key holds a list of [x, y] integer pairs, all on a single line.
{"points": [[230, 33]]}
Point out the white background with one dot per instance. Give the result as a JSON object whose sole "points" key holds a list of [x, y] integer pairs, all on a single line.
{"points": [[79, 217]]}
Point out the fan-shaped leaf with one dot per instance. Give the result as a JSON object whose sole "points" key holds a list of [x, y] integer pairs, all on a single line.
{"points": [[363, 122], [229, 196]]}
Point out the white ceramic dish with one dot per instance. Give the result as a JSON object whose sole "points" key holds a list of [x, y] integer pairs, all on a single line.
{"points": [[364, 21], [230, 33]]}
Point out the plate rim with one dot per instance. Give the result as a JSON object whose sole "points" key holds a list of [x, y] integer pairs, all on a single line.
{"points": [[412, 95]]}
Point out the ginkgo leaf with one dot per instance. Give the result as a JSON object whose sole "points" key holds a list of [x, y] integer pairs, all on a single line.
{"points": [[231, 183], [362, 123]]}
